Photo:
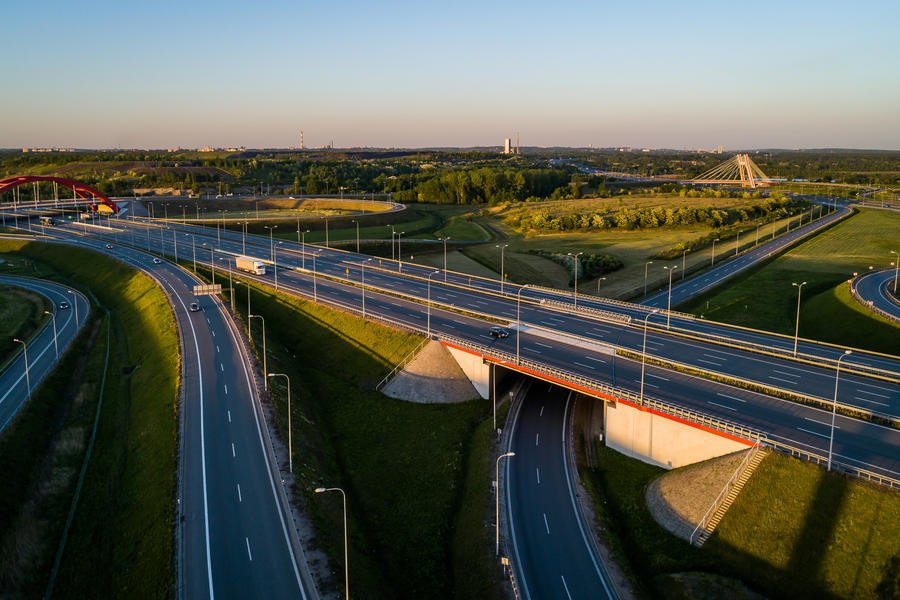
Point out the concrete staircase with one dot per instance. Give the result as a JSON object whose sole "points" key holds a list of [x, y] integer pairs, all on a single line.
{"points": [[726, 497]]}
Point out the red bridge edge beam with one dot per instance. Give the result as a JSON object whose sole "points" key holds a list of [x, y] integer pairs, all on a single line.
{"points": [[83, 191]]}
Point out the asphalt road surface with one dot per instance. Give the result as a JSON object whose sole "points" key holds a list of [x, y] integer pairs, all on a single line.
{"points": [[876, 288], [42, 352]]}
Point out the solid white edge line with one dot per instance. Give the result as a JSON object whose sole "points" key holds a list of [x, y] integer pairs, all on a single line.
{"points": [[212, 594]]}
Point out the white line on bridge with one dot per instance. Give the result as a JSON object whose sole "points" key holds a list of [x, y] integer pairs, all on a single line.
{"points": [[722, 405]]}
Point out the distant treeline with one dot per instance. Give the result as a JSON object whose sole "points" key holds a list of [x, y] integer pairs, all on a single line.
{"points": [[542, 221], [485, 185]]}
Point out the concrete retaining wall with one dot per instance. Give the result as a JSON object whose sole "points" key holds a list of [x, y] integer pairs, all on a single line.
{"points": [[475, 369]]}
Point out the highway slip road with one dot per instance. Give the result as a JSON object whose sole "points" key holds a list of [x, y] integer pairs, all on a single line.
{"points": [[42, 352], [236, 538], [875, 288]]}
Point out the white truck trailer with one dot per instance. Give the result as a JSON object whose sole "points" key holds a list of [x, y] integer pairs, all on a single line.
{"points": [[250, 265]]}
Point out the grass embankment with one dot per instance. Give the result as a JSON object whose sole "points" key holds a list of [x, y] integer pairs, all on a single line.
{"points": [[827, 310], [795, 531], [404, 466], [21, 314], [121, 538]]}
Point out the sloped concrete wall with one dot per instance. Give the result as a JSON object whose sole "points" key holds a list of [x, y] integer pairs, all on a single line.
{"points": [[664, 441], [432, 377], [475, 369]]}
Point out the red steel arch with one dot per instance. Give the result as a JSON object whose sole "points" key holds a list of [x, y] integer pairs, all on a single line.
{"points": [[83, 191]]}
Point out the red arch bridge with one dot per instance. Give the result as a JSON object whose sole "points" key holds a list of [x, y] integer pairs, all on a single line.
{"points": [[99, 201]]}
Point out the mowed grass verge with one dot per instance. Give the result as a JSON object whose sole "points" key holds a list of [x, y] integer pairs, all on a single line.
{"points": [[404, 466], [21, 315], [795, 531], [765, 298], [121, 539]]}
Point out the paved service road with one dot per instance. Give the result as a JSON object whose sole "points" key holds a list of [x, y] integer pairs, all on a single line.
{"points": [[551, 552], [728, 267], [876, 288], [236, 534], [41, 349]]}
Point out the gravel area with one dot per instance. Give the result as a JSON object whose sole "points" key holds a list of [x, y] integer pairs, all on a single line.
{"points": [[679, 499], [432, 377]]}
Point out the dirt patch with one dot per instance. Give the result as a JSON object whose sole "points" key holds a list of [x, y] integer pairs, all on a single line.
{"points": [[432, 377], [679, 499]]}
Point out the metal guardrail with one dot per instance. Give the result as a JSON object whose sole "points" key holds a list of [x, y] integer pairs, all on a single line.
{"points": [[868, 303], [602, 314]]}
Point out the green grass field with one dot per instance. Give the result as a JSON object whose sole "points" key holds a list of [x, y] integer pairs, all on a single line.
{"points": [[826, 262], [794, 532], [404, 466], [121, 540], [21, 315]]}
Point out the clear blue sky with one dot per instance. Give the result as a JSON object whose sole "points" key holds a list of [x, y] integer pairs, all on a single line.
{"points": [[123, 73]]}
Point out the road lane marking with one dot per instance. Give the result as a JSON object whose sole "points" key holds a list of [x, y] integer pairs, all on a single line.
{"points": [[821, 422], [544, 345], [232, 450], [813, 432], [871, 401], [226, 388], [872, 393], [537, 471], [213, 332], [217, 348], [877, 387], [565, 587], [221, 368], [783, 380], [248, 549], [730, 397], [600, 360], [207, 320], [783, 373], [229, 416], [731, 408], [715, 356], [240, 497], [646, 384], [537, 439], [532, 350], [546, 524], [657, 376], [542, 412], [584, 365], [709, 362]]}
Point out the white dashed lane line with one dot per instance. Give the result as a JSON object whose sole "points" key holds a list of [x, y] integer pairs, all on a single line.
{"points": [[546, 524], [731, 408]]}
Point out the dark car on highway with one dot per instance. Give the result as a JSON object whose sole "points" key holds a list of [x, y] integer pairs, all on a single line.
{"points": [[499, 332]]}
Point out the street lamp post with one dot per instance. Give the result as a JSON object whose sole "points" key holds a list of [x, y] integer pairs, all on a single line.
{"points": [[325, 217], [290, 447], [646, 266], [271, 244], [669, 304], [713, 260], [75, 304], [599, 279], [193, 250], [265, 369], [362, 265], [577, 264], [346, 569], [399, 253], [315, 296], [756, 243], [393, 233], [27, 374], [683, 260], [357, 234], [837, 375], [518, 321], [445, 257], [737, 244], [896, 269], [55, 344], [497, 504], [503, 248], [799, 287], [302, 235], [644, 351], [428, 303]]}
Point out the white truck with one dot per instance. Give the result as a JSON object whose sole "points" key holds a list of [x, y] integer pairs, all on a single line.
{"points": [[250, 265]]}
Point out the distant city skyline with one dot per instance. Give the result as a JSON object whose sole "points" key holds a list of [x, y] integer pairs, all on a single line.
{"points": [[104, 74]]}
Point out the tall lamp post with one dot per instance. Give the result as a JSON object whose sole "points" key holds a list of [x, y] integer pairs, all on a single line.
{"points": [[55, 345], [646, 266], [303, 246], [75, 304], [265, 369], [325, 217], [644, 351], [445, 257], [669, 304], [357, 234], [518, 321], [799, 287], [27, 375], [503, 248], [428, 303], [271, 244], [393, 233], [346, 569], [290, 447], [713, 258], [497, 504], [362, 265], [599, 279], [399, 254], [896, 269], [577, 264], [837, 375]]}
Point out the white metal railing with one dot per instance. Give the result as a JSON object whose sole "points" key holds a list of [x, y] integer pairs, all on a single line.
{"points": [[726, 489], [405, 361]]}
